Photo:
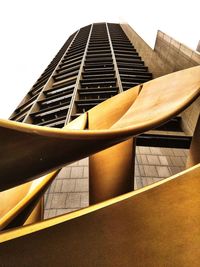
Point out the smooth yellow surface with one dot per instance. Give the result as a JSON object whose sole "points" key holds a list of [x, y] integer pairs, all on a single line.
{"points": [[111, 172], [17, 203], [154, 226], [19, 199], [29, 151]]}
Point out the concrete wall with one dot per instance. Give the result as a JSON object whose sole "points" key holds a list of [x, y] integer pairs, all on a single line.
{"points": [[151, 58], [168, 56], [198, 47], [174, 55]]}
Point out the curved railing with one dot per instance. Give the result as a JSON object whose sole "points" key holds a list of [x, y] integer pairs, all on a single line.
{"points": [[29, 151]]}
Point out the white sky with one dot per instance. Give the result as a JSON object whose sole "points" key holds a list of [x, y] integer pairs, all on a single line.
{"points": [[32, 32]]}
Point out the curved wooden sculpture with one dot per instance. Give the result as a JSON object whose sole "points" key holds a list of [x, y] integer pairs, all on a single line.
{"points": [[40, 149], [105, 126], [154, 226], [111, 122]]}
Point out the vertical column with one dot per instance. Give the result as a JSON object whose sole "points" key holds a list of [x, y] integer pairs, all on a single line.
{"points": [[111, 172]]}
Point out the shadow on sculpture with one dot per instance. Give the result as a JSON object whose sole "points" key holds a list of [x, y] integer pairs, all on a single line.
{"points": [[147, 227]]}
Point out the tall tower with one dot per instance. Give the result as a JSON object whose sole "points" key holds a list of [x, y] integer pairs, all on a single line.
{"points": [[97, 62]]}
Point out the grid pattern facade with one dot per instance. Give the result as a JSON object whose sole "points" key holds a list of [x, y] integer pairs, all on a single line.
{"points": [[97, 62]]}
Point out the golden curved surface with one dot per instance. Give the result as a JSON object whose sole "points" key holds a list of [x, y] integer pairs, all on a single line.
{"points": [[17, 203], [154, 226], [146, 107], [52, 148], [109, 125]]}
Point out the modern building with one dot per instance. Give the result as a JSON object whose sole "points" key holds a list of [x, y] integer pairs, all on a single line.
{"points": [[97, 62]]}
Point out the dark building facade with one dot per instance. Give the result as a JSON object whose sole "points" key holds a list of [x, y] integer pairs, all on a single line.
{"points": [[96, 62]]}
